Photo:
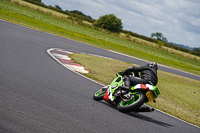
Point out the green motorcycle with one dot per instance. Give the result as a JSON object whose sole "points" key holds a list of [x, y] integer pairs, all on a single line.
{"points": [[127, 100]]}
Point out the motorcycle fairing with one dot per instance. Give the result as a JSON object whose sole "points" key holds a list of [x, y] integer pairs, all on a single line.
{"points": [[118, 81], [142, 86]]}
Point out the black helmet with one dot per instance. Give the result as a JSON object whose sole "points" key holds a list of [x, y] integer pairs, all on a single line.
{"points": [[153, 65]]}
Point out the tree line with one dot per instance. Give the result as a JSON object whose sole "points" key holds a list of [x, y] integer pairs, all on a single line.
{"points": [[76, 14], [112, 23]]}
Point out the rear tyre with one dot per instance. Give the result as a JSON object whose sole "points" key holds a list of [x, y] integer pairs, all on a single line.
{"points": [[132, 105], [99, 94]]}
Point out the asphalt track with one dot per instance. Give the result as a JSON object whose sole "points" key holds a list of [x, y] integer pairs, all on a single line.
{"points": [[39, 95]]}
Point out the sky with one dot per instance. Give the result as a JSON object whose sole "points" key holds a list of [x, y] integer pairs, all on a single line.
{"points": [[177, 20]]}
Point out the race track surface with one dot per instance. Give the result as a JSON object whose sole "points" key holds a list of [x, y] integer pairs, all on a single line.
{"points": [[39, 95]]}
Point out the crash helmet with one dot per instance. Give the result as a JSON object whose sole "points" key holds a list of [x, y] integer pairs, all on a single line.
{"points": [[153, 64]]}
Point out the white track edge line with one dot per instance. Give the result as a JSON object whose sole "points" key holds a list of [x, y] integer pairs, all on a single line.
{"points": [[147, 61], [48, 51], [94, 46]]}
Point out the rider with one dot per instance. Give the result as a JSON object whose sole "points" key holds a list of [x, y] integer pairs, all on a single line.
{"points": [[148, 75]]}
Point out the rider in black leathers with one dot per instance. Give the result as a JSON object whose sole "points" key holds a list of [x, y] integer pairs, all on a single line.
{"points": [[148, 75]]}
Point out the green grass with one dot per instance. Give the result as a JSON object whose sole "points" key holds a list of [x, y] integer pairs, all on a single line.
{"points": [[179, 95], [36, 7], [45, 22]]}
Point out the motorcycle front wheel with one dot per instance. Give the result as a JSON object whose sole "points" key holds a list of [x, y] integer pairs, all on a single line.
{"points": [[132, 105], [99, 94]]}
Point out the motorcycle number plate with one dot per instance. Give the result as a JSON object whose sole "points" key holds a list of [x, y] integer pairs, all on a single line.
{"points": [[150, 96]]}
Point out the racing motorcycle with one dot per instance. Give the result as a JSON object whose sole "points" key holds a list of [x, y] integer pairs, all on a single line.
{"points": [[127, 100]]}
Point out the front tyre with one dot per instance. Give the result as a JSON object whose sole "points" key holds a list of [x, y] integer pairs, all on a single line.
{"points": [[99, 94], [138, 100]]}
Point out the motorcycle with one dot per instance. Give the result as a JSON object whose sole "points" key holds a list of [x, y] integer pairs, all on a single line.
{"points": [[127, 100]]}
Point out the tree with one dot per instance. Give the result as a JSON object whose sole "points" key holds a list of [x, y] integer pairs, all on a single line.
{"points": [[109, 22], [77, 12], [80, 13], [158, 36], [58, 7], [196, 49], [38, 1]]}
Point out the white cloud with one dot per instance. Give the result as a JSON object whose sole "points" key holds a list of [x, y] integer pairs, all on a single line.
{"points": [[178, 20]]}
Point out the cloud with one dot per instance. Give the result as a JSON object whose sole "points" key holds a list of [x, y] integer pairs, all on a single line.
{"points": [[178, 20]]}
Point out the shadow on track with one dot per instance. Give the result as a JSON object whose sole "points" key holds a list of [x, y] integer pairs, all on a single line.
{"points": [[142, 117], [149, 119]]}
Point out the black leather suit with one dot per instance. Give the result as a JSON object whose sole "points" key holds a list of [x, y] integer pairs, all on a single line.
{"points": [[148, 75]]}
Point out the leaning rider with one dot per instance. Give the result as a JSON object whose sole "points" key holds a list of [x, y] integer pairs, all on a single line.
{"points": [[148, 75]]}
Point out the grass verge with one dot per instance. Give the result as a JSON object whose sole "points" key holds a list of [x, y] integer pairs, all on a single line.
{"points": [[44, 21], [179, 95]]}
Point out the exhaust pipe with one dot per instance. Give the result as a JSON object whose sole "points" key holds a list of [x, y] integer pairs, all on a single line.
{"points": [[145, 109]]}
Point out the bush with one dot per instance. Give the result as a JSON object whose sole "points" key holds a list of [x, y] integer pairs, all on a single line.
{"points": [[109, 22]]}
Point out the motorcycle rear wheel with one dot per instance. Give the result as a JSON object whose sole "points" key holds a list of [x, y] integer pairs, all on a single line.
{"points": [[133, 104], [99, 94]]}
